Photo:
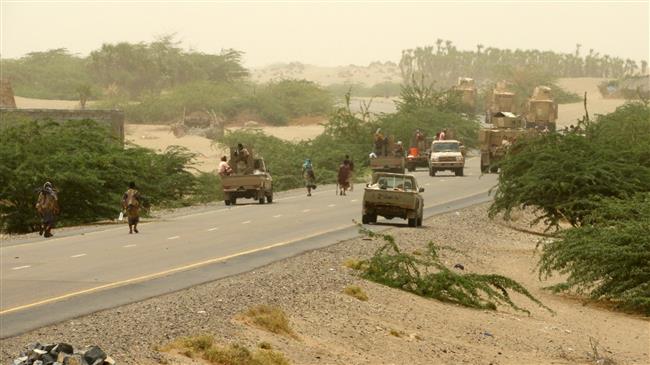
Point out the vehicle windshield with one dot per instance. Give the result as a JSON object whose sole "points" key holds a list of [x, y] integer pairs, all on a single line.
{"points": [[446, 147], [406, 183]]}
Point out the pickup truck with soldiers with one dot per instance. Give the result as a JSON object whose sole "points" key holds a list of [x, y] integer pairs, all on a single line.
{"points": [[387, 155]]}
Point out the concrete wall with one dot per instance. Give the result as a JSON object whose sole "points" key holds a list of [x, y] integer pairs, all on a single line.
{"points": [[114, 118]]}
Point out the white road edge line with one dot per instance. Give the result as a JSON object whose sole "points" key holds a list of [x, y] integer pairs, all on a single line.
{"points": [[79, 255], [21, 267], [173, 237]]}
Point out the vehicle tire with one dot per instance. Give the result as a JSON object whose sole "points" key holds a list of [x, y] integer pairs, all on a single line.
{"points": [[227, 202], [459, 172], [411, 168], [494, 169], [419, 222], [365, 219], [233, 201], [485, 169], [261, 200], [269, 198], [372, 218], [412, 222], [432, 172]]}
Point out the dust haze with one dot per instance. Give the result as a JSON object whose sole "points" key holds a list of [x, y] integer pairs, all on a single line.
{"points": [[328, 34]]}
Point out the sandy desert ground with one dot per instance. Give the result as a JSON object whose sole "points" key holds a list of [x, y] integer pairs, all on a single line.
{"points": [[369, 75]]}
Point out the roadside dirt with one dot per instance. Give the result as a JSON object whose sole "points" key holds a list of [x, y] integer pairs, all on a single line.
{"points": [[596, 104], [392, 327]]}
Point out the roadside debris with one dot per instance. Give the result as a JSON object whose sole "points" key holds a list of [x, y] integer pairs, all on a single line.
{"points": [[61, 354]]}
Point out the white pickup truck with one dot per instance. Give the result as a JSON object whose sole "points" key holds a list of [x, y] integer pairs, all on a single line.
{"points": [[446, 155]]}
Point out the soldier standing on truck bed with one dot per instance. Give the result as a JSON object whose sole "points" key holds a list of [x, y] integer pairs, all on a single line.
{"points": [[381, 143], [242, 158]]}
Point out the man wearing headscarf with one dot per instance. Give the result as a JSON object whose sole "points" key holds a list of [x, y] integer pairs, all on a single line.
{"points": [[47, 206], [131, 204], [308, 176]]}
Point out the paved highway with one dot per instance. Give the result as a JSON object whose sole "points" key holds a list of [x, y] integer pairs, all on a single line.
{"points": [[84, 271]]}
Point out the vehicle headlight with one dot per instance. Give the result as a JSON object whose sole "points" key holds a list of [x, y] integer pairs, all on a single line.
{"points": [[459, 158]]}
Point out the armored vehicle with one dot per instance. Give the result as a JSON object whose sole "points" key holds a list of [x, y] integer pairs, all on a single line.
{"points": [[541, 110], [495, 142], [467, 88], [501, 100], [393, 195]]}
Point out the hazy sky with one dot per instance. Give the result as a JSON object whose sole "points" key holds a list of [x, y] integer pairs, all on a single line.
{"points": [[328, 33]]}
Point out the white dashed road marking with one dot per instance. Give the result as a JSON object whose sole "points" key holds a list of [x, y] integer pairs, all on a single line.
{"points": [[277, 216], [127, 246], [213, 229], [79, 255], [245, 222], [353, 200], [331, 205], [306, 210], [173, 237], [21, 267]]}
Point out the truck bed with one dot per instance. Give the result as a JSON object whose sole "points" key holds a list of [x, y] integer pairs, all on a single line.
{"points": [[242, 182], [390, 198]]}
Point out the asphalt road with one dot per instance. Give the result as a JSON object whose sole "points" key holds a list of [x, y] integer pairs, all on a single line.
{"points": [[46, 281]]}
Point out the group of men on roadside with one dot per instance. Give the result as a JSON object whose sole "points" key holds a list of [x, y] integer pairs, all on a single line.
{"points": [[48, 209]]}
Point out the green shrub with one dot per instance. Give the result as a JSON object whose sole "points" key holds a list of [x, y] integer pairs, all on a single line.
{"points": [[89, 168], [427, 276], [563, 175], [608, 257]]}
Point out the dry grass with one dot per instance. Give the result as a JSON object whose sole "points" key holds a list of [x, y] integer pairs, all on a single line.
{"points": [[203, 346], [354, 264], [270, 318], [356, 292]]}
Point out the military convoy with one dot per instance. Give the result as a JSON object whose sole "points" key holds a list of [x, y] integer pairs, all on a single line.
{"points": [[250, 179], [540, 115], [393, 196]]}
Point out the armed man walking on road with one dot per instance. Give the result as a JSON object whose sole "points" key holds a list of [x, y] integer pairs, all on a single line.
{"points": [[308, 176], [47, 206], [131, 202]]}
